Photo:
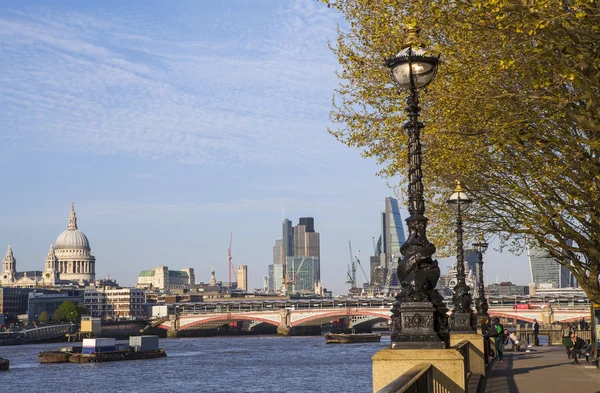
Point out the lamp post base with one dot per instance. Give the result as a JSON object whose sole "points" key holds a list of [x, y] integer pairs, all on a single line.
{"points": [[463, 322], [414, 327]]}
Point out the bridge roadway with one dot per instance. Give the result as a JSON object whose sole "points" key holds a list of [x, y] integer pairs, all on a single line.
{"points": [[316, 312]]}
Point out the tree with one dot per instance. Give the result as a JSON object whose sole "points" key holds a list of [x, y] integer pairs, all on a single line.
{"points": [[514, 113], [67, 312], [58, 316], [43, 317]]}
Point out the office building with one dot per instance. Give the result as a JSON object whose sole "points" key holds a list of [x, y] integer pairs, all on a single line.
{"points": [[302, 274], [545, 270]]}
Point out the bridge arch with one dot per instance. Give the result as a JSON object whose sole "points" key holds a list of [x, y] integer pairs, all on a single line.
{"points": [[218, 320], [337, 314]]}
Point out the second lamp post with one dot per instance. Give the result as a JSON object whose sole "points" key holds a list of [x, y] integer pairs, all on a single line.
{"points": [[481, 303], [462, 318]]}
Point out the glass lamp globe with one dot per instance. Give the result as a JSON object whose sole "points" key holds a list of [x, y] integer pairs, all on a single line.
{"points": [[459, 200], [413, 68], [481, 246]]}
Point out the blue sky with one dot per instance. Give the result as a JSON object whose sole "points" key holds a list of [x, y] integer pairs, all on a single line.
{"points": [[172, 124]]}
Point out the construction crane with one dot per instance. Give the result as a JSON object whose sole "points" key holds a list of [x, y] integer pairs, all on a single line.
{"points": [[361, 268], [231, 268], [351, 275]]}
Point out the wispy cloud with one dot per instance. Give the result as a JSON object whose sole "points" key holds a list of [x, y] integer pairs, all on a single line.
{"points": [[130, 83]]}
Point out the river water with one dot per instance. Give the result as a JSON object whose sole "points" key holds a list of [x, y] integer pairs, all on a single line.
{"points": [[205, 364]]}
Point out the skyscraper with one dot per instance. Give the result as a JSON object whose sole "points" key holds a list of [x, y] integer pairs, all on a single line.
{"points": [[306, 241], [288, 238], [387, 250], [471, 259], [394, 230], [546, 270]]}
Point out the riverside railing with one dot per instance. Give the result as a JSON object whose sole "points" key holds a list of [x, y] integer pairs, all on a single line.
{"points": [[555, 336], [426, 378]]}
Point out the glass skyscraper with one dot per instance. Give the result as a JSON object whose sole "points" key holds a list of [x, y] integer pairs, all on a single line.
{"points": [[393, 235]]}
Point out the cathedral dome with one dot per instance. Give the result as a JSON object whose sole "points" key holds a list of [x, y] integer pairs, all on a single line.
{"points": [[72, 238]]}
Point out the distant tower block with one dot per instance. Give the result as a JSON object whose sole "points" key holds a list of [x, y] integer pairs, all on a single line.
{"points": [[242, 277]]}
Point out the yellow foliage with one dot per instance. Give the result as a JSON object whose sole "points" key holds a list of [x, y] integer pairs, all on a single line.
{"points": [[514, 113]]}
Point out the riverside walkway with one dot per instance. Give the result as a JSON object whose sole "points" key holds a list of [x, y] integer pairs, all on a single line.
{"points": [[545, 369]]}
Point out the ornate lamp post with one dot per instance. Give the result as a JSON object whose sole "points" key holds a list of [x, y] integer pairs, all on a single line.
{"points": [[419, 317], [481, 303], [462, 318]]}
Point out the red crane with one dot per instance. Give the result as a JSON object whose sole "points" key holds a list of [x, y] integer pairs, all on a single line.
{"points": [[231, 268]]}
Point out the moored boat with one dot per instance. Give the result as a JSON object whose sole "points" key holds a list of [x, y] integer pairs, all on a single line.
{"points": [[350, 338], [4, 364]]}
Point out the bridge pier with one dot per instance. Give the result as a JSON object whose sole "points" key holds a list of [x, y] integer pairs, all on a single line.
{"points": [[285, 325], [173, 331]]}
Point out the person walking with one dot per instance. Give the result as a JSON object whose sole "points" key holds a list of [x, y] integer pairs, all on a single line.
{"points": [[536, 332], [497, 332]]}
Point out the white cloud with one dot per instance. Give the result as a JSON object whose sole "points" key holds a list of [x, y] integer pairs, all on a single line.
{"points": [[127, 83]]}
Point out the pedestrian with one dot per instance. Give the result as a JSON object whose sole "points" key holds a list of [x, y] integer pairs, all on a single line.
{"points": [[582, 324], [536, 332], [515, 341], [485, 329], [566, 338], [497, 332], [579, 347]]}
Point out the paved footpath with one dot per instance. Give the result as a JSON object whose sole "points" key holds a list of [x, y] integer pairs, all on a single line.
{"points": [[545, 369]]}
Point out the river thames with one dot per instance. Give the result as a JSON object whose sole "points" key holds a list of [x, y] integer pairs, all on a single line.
{"points": [[207, 364]]}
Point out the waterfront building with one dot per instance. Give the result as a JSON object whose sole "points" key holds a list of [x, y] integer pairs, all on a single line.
{"points": [[14, 301], [46, 301], [69, 260], [242, 277], [546, 270], [95, 301], [125, 303], [162, 278]]}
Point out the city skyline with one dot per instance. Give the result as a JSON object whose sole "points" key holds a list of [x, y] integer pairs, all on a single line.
{"points": [[126, 110]]}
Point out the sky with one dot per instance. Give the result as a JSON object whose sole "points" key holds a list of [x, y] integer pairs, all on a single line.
{"points": [[172, 125]]}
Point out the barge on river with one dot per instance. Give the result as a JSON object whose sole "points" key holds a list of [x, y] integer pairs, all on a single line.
{"points": [[106, 350], [350, 338]]}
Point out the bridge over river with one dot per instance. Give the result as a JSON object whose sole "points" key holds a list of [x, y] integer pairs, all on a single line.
{"points": [[292, 316], [43, 333]]}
